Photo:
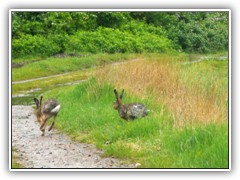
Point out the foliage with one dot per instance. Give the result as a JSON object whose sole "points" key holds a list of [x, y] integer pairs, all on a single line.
{"points": [[108, 40], [112, 19], [57, 32], [193, 31], [37, 45], [44, 23]]}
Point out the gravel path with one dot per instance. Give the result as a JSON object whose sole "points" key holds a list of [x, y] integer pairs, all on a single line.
{"points": [[54, 150]]}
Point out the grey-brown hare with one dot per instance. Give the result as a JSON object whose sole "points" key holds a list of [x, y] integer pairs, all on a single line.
{"points": [[129, 111], [44, 112]]}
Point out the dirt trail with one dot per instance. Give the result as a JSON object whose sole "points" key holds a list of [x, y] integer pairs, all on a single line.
{"points": [[54, 150]]}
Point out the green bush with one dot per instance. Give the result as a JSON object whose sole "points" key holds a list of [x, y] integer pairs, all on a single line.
{"points": [[198, 37], [33, 45], [110, 40], [60, 40], [140, 28], [203, 34]]}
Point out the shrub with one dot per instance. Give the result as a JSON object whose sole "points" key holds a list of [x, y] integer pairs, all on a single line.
{"points": [[33, 45], [203, 35], [109, 40]]}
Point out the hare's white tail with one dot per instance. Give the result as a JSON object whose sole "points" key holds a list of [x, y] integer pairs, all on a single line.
{"points": [[56, 109]]}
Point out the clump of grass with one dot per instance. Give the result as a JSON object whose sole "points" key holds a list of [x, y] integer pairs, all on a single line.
{"points": [[204, 146], [15, 163], [207, 84]]}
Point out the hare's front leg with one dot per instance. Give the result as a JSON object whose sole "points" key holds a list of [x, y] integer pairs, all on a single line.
{"points": [[43, 127]]}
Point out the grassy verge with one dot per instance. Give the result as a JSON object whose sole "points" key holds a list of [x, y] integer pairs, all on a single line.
{"points": [[26, 60], [50, 83], [53, 66]]}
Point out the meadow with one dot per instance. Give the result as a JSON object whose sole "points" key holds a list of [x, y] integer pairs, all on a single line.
{"points": [[187, 126], [57, 65]]}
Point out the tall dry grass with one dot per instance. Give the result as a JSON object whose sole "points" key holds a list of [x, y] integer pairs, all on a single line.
{"points": [[162, 79]]}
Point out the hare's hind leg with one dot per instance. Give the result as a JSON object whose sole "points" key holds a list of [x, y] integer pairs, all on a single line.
{"points": [[43, 124], [50, 128]]}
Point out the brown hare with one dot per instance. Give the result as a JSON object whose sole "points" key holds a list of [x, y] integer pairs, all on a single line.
{"points": [[129, 111], [44, 112]]}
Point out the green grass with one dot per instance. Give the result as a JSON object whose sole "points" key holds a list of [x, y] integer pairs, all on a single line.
{"points": [[215, 69], [204, 146], [53, 66], [210, 80], [87, 115], [52, 82], [15, 164], [28, 59], [207, 75]]}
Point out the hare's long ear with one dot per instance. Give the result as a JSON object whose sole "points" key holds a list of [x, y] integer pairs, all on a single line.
{"points": [[36, 102], [121, 96], [41, 100], [116, 94]]}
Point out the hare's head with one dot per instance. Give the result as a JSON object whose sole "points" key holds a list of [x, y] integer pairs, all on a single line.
{"points": [[38, 103], [118, 102], [39, 114]]}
